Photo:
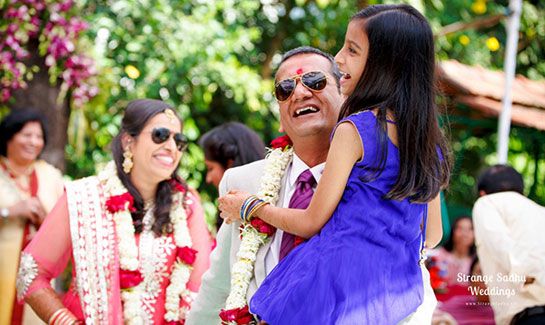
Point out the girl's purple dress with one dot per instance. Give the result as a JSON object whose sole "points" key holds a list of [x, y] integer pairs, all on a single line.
{"points": [[363, 266]]}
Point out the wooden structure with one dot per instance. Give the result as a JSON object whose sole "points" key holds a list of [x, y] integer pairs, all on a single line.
{"points": [[482, 90]]}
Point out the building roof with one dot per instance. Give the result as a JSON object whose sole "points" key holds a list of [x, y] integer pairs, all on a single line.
{"points": [[482, 90]]}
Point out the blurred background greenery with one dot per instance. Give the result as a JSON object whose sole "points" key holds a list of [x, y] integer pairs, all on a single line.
{"points": [[214, 61]]}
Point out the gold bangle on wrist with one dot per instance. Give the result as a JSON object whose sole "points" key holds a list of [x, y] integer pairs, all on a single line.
{"points": [[63, 317]]}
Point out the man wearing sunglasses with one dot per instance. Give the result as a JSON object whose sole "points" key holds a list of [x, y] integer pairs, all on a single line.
{"points": [[308, 93]]}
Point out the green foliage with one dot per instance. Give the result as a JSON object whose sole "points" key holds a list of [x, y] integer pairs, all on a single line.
{"points": [[474, 142], [214, 62]]}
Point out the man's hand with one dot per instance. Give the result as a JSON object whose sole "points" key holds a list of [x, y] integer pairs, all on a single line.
{"points": [[230, 205], [529, 280]]}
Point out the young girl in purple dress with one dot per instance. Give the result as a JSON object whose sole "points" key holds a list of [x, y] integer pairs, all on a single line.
{"points": [[380, 188]]}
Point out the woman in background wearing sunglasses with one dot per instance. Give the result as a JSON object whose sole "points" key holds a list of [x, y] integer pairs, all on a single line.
{"points": [[135, 233]]}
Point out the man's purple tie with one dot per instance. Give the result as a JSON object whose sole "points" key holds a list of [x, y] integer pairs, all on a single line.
{"points": [[299, 200]]}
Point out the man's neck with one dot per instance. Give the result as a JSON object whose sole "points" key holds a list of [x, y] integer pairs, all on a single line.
{"points": [[312, 153]]}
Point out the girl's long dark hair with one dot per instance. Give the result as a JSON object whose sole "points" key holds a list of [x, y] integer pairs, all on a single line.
{"points": [[399, 76], [137, 115]]}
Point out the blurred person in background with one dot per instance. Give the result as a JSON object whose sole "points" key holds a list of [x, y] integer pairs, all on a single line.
{"points": [[509, 235], [457, 253], [29, 188], [135, 233], [471, 308], [231, 144]]}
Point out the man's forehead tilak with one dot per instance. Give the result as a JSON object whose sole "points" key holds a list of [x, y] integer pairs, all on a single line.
{"points": [[297, 72]]}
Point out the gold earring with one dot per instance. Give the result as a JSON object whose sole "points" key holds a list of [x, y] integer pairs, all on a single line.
{"points": [[127, 162]]}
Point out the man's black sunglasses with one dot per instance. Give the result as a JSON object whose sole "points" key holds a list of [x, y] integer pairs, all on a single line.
{"points": [[313, 80]]}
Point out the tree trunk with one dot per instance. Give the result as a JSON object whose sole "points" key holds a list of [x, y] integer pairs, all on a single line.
{"points": [[42, 96]]}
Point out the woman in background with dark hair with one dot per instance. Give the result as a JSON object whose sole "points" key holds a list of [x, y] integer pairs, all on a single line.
{"points": [[458, 251], [229, 145], [135, 233], [29, 188]]}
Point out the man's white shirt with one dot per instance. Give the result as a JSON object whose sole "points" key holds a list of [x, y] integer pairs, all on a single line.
{"points": [[510, 240]]}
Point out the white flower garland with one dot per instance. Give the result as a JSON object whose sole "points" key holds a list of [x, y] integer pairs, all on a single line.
{"points": [[128, 252], [271, 182]]}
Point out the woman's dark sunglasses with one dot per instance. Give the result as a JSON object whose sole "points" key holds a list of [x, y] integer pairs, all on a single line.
{"points": [[161, 135], [312, 80]]}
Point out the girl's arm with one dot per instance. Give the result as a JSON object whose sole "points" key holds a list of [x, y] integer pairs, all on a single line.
{"points": [[346, 148], [434, 227]]}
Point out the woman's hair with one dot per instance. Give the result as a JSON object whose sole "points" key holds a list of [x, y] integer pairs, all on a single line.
{"points": [[474, 263], [500, 178], [14, 122], [137, 115], [399, 76], [232, 142], [449, 245]]}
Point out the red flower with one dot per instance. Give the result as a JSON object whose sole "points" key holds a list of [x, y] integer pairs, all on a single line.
{"points": [[237, 315], [437, 275], [129, 279], [281, 142], [187, 255], [118, 203], [177, 186], [299, 240], [262, 226]]}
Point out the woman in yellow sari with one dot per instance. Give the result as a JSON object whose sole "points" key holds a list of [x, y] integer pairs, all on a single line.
{"points": [[29, 188]]}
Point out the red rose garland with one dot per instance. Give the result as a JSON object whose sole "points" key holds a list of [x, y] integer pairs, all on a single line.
{"points": [[118, 203], [130, 277], [187, 255], [281, 142], [237, 316]]}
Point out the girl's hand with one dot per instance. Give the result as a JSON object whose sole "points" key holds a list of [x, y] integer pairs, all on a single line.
{"points": [[230, 205]]}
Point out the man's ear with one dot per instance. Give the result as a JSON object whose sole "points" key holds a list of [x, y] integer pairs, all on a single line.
{"points": [[126, 141], [281, 128], [482, 193]]}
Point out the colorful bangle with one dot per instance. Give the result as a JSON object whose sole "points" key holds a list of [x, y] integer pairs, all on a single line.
{"points": [[250, 207]]}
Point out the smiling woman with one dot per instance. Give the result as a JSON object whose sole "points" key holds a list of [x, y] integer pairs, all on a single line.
{"points": [[29, 187], [135, 233]]}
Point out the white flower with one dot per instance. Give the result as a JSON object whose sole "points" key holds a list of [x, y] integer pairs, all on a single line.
{"points": [[242, 271], [128, 252]]}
